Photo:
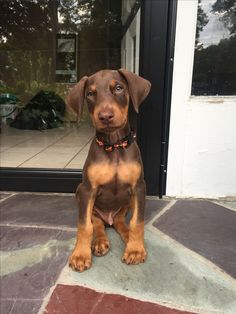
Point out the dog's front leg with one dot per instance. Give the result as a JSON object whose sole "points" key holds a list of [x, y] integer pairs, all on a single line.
{"points": [[135, 252], [81, 257]]}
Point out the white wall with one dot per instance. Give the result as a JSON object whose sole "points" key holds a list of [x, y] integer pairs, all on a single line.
{"points": [[202, 143]]}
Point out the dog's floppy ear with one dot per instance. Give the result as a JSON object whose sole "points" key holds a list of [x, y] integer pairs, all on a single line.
{"points": [[75, 98], [139, 88]]}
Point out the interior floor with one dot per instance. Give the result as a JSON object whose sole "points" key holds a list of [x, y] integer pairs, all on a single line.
{"points": [[65, 147]]}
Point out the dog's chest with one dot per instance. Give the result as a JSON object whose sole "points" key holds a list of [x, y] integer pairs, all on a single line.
{"points": [[100, 174]]}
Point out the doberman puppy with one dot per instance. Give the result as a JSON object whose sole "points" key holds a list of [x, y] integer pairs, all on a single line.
{"points": [[113, 180]]}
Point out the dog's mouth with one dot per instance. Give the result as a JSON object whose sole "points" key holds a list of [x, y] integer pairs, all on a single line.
{"points": [[109, 128]]}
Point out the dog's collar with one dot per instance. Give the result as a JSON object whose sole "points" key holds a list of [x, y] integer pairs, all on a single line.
{"points": [[120, 144]]}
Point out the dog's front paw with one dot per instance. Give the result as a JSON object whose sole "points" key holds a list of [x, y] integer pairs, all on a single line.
{"points": [[100, 246], [134, 256], [79, 261]]}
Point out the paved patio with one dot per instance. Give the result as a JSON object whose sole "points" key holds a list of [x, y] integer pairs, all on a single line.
{"points": [[191, 265]]}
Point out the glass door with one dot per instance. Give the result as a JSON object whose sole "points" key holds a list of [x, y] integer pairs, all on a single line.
{"points": [[45, 47]]}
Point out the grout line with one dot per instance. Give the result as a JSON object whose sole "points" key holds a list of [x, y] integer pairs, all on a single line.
{"points": [[14, 302], [7, 197], [99, 300], [224, 205], [10, 147], [46, 299], [78, 152], [43, 193], [21, 299], [59, 139], [162, 212], [194, 254], [62, 228]]}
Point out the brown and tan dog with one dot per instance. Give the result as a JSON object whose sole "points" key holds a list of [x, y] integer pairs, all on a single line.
{"points": [[113, 180]]}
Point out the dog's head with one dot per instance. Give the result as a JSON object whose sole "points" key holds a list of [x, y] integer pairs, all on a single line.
{"points": [[107, 94]]}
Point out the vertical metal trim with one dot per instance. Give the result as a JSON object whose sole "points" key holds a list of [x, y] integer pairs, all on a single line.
{"points": [[172, 13]]}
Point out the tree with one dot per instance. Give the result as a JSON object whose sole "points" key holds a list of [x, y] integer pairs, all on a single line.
{"points": [[202, 21]]}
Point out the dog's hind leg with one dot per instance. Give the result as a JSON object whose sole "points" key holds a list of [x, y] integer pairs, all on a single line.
{"points": [[120, 224], [100, 245]]}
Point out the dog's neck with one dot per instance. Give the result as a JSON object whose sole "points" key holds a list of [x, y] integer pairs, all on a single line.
{"points": [[115, 136]]}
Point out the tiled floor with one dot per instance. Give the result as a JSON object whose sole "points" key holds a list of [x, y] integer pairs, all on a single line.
{"points": [[191, 265], [63, 147]]}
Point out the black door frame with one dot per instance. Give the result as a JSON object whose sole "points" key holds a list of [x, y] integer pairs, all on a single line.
{"points": [[158, 20], [156, 64]]}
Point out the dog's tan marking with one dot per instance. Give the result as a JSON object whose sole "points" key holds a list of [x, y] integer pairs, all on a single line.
{"points": [[92, 88], [129, 172], [120, 113], [80, 258], [113, 83], [100, 244], [89, 212], [120, 224], [100, 173], [135, 252]]}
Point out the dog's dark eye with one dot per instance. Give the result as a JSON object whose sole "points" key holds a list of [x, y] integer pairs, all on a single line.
{"points": [[118, 88], [90, 93]]}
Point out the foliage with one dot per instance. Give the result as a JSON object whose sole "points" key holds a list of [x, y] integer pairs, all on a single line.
{"points": [[215, 66], [44, 111], [214, 69], [202, 21], [226, 9]]}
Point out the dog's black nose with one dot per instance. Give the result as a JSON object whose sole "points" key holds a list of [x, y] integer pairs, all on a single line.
{"points": [[106, 117]]}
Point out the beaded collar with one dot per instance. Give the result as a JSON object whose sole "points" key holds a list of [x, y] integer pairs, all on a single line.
{"points": [[120, 144]]}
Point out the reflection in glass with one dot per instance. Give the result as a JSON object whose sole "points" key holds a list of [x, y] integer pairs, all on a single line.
{"points": [[45, 47], [214, 71]]}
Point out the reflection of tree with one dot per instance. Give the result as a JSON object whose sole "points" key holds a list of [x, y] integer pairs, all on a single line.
{"points": [[215, 69], [202, 21], [98, 24], [26, 44], [215, 66], [227, 13], [28, 31]]}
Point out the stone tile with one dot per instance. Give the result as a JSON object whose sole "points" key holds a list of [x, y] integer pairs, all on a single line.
{"points": [[230, 204], [56, 210], [6, 306], [116, 304], [73, 300], [50, 210], [31, 260], [153, 207], [25, 307], [80, 300], [16, 238], [204, 227]]}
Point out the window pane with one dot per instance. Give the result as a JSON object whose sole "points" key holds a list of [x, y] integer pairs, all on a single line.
{"points": [[214, 71]]}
